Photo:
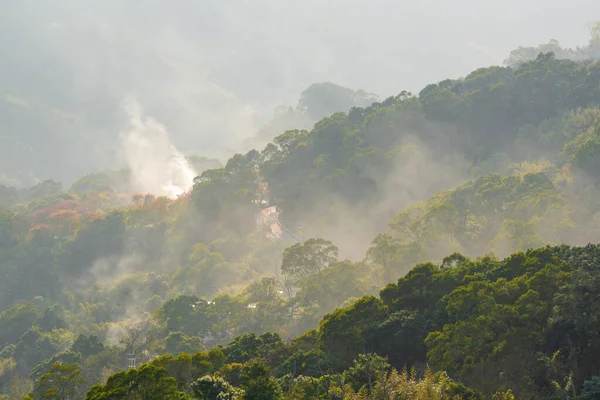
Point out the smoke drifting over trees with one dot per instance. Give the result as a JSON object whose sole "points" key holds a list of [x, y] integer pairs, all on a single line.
{"points": [[299, 200]]}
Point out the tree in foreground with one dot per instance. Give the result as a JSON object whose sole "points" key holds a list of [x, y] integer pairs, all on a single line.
{"points": [[210, 387], [62, 382]]}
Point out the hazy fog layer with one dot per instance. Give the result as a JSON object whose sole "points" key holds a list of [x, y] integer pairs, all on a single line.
{"points": [[212, 71], [156, 166]]}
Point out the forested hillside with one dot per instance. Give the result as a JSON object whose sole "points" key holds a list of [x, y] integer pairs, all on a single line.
{"points": [[270, 278]]}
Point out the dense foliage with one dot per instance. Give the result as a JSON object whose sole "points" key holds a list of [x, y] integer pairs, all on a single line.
{"points": [[518, 326], [209, 302]]}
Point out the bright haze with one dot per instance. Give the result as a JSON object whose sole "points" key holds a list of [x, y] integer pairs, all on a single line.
{"points": [[213, 71]]}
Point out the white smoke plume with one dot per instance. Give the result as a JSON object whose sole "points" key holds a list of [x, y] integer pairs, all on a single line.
{"points": [[157, 167]]}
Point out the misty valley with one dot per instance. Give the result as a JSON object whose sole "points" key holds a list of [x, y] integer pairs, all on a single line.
{"points": [[443, 244]]}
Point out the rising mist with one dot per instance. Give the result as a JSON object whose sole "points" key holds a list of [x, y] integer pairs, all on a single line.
{"points": [[156, 166]]}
